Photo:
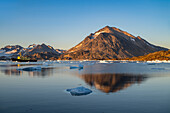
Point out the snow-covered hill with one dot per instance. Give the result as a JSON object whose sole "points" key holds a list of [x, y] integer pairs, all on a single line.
{"points": [[37, 51]]}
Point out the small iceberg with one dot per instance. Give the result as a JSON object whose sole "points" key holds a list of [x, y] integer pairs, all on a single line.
{"points": [[158, 68], [73, 67], [103, 61], [45, 64], [151, 63], [30, 69], [79, 91], [80, 66]]}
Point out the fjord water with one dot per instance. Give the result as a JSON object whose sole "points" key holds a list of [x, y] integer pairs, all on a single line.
{"points": [[117, 88]]}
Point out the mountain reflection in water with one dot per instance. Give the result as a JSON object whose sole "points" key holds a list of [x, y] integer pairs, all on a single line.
{"points": [[112, 82], [43, 72]]}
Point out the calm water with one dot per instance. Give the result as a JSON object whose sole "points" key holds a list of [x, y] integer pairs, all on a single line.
{"points": [[117, 88]]}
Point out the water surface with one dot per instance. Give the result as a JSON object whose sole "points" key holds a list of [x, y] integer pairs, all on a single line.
{"points": [[117, 88]]}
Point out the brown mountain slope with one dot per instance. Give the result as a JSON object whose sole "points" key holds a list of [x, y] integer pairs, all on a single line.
{"points": [[110, 43], [160, 55], [42, 52]]}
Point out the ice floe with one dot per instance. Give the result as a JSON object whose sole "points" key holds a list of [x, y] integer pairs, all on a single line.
{"points": [[79, 91], [151, 63], [80, 66], [103, 61], [36, 68], [158, 68]]}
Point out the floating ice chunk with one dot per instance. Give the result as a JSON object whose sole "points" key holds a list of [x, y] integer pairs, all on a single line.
{"points": [[73, 67], [158, 68], [79, 91], [30, 69], [103, 61], [80, 66], [151, 63], [45, 64]]}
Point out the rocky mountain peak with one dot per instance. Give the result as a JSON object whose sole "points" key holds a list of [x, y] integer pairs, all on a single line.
{"points": [[110, 43], [139, 37], [50, 47], [113, 31], [106, 29], [32, 46], [43, 44]]}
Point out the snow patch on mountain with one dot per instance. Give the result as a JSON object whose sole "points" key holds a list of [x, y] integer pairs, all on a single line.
{"points": [[96, 34], [11, 52], [31, 46], [60, 51], [149, 44], [132, 39]]}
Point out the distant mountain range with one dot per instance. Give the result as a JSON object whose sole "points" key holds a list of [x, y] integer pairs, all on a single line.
{"points": [[40, 52], [110, 43], [106, 43]]}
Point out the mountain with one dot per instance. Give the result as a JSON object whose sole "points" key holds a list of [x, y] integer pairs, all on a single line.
{"points": [[8, 51], [160, 55], [42, 51], [110, 43], [34, 51], [12, 49], [60, 51]]}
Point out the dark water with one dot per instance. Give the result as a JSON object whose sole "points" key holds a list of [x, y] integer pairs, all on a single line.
{"points": [[117, 88]]}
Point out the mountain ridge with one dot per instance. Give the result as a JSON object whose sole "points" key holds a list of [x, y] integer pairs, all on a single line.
{"points": [[34, 51], [159, 55], [110, 43], [107, 43]]}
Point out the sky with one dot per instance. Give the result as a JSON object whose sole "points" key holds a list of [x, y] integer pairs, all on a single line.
{"points": [[64, 23]]}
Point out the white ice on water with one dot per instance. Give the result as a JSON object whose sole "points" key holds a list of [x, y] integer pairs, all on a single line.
{"points": [[78, 91], [103, 61], [36, 68], [80, 66], [158, 68]]}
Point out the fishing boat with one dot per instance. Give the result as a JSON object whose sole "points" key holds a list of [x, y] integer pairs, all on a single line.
{"points": [[23, 59]]}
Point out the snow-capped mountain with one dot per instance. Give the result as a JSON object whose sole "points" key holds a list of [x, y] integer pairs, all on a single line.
{"points": [[110, 43], [60, 51], [33, 51], [32, 46], [8, 51], [42, 52]]}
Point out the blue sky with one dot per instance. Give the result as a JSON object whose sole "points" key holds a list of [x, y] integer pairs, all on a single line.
{"points": [[64, 23]]}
